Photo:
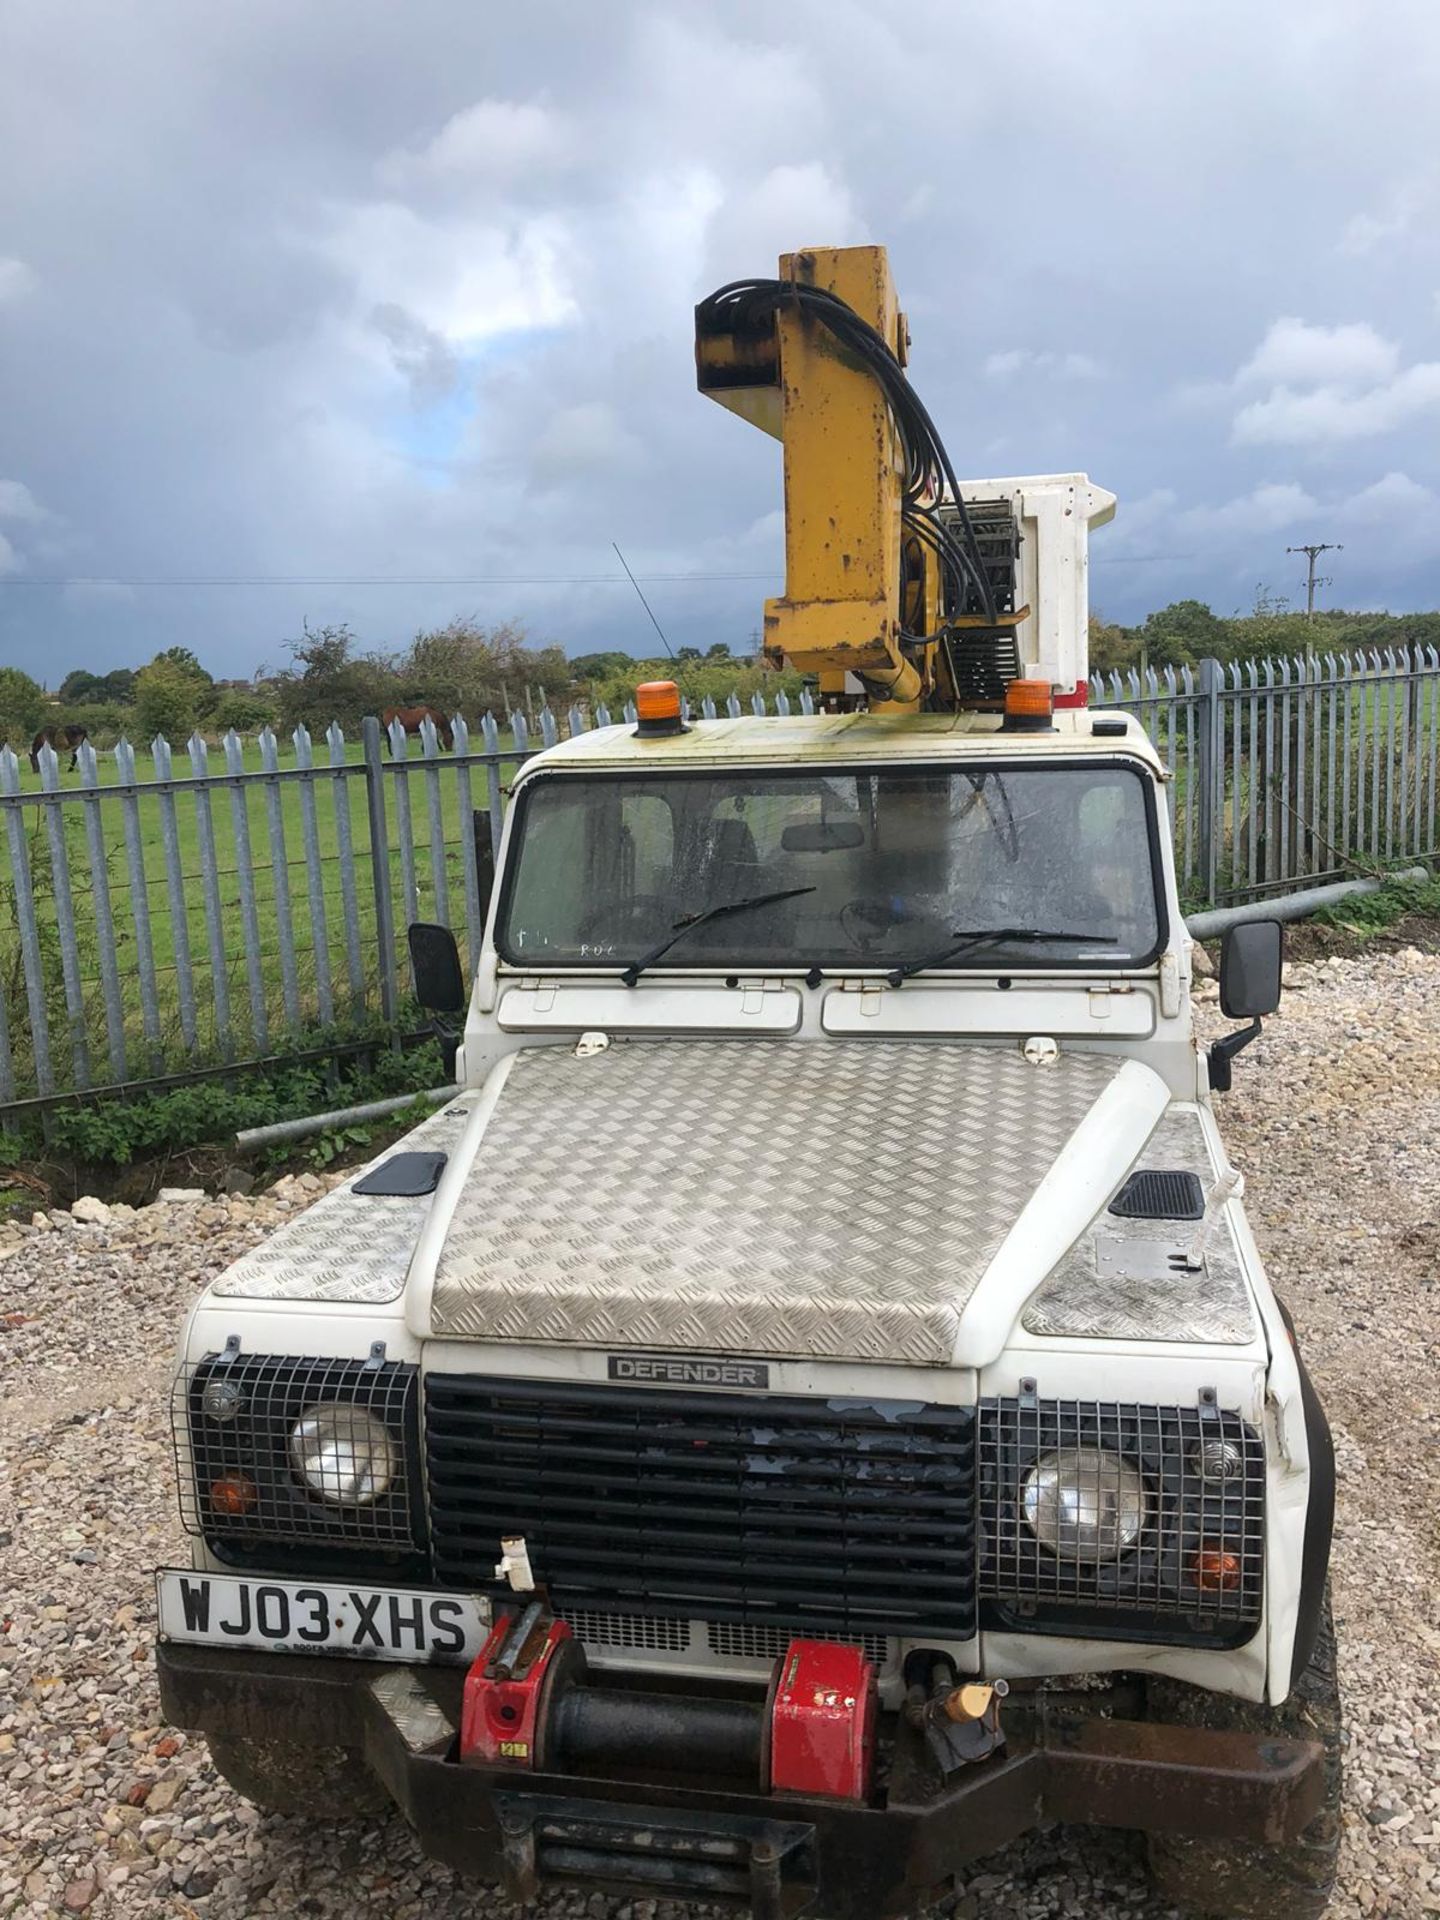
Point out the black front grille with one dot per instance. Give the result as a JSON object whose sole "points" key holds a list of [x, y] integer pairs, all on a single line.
{"points": [[811, 1515]]}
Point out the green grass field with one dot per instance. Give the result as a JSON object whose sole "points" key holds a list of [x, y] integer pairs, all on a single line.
{"points": [[252, 967]]}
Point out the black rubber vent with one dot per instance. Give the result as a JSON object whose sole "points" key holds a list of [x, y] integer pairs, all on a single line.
{"points": [[1151, 1195], [807, 1515], [238, 1483], [404, 1176], [1195, 1571]]}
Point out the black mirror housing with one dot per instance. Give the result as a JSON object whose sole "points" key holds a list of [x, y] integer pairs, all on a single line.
{"points": [[1250, 961], [435, 961]]}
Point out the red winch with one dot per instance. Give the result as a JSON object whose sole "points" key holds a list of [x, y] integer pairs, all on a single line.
{"points": [[529, 1702]]}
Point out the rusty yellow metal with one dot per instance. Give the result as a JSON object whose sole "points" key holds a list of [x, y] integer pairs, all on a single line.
{"points": [[841, 610]]}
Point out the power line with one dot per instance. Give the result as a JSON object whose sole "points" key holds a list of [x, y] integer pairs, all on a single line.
{"points": [[388, 580], [1314, 552]]}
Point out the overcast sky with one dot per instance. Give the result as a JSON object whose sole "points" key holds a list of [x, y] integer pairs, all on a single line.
{"points": [[326, 292]]}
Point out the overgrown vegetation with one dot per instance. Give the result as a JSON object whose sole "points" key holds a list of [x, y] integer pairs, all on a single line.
{"points": [[119, 1132], [1366, 914]]}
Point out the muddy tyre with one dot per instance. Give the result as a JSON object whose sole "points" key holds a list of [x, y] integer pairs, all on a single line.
{"points": [[323, 1783], [1234, 1878]]}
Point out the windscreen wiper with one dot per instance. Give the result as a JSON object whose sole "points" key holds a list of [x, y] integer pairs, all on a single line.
{"points": [[962, 942], [692, 920]]}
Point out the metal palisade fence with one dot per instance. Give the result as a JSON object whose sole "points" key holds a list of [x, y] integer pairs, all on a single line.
{"points": [[1291, 772], [184, 910]]}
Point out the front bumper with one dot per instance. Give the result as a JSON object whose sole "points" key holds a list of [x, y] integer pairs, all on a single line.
{"points": [[1067, 1759]]}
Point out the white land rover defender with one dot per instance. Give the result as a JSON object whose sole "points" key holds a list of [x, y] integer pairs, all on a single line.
{"points": [[811, 1407], [833, 1248]]}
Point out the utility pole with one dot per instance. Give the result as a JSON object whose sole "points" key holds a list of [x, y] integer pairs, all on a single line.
{"points": [[1313, 553]]}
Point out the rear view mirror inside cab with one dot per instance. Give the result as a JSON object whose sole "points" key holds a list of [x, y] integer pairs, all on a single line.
{"points": [[822, 836]]}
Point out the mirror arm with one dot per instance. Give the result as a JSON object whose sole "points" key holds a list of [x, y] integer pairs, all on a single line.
{"points": [[1224, 1050], [448, 1039]]}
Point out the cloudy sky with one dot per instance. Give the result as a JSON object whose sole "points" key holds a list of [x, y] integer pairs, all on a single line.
{"points": [[304, 295]]}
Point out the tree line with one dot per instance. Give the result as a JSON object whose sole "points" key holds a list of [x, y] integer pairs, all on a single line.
{"points": [[469, 669], [331, 675], [1188, 630]]}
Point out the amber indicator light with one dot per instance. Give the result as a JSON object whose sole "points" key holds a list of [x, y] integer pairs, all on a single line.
{"points": [[1215, 1570], [233, 1494]]}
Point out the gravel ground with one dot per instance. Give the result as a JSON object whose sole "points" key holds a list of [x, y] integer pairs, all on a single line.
{"points": [[1335, 1120]]}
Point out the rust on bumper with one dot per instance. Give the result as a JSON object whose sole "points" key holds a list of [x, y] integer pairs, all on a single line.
{"points": [[1067, 1759]]}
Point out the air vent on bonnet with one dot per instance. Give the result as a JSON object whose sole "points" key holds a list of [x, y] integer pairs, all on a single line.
{"points": [[1151, 1195]]}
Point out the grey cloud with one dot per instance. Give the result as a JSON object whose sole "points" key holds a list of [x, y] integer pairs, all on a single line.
{"points": [[409, 292], [425, 359]]}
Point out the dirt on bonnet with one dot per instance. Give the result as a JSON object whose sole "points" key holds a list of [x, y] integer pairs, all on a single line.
{"points": [[1335, 1120]]}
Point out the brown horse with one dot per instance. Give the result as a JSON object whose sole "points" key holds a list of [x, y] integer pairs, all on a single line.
{"points": [[62, 739], [410, 719]]}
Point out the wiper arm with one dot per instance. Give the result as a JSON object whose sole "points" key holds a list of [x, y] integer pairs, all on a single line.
{"points": [[962, 942], [692, 920]]}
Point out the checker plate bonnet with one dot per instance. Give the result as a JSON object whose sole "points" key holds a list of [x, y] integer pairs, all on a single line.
{"points": [[838, 1200], [349, 1246]]}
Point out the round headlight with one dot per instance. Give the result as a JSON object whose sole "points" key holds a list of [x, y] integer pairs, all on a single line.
{"points": [[1083, 1504], [343, 1453]]}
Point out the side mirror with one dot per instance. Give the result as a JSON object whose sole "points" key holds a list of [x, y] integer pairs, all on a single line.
{"points": [[1250, 958], [435, 961], [1250, 961]]}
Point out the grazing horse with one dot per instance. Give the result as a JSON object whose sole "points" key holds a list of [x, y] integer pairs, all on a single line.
{"points": [[410, 719], [62, 739]]}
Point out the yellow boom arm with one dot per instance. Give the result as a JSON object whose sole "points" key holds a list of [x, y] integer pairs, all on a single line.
{"points": [[854, 581]]}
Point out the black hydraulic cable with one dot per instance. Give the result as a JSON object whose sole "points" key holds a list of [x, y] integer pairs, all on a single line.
{"points": [[927, 464]]}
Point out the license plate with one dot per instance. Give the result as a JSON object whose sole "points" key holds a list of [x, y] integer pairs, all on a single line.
{"points": [[314, 1616]]}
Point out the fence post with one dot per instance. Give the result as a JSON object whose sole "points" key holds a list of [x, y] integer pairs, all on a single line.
{"points": [[27, 924], [380, 863], [1211, 771]]}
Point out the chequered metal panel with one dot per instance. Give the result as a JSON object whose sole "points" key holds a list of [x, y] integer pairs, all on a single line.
{"points": [[1210, 1303], [838, 1200], [234, 1420], [1198, 1560], [348, 1246]]}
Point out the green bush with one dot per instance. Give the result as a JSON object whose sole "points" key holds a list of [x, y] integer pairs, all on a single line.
{"points": [[716, 679], [114, 1132], [167, 700], [1368, 913], [24, 708], [243, 710]]}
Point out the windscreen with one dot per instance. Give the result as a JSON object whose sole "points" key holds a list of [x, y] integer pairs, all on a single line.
{"points": [[881, 867]]}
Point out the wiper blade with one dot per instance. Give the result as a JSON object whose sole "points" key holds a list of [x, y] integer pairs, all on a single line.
{"points": [[692, 920], [962, 942]]}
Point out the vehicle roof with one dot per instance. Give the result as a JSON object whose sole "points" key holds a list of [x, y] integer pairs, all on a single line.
{"points": [[847, 737]]}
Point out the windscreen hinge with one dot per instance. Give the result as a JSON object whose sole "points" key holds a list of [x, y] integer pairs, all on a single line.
{"points": [[752, 994]]}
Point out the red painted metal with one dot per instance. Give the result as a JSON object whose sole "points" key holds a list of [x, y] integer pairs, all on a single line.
{"points": [[499, 1718], [822, 1722], [1079, 696]]}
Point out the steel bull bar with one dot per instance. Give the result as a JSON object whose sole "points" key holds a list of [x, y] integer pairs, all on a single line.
{"points": [[1068, 1758]]}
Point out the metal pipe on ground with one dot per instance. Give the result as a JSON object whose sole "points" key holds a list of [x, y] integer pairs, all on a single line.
{"points": [[252, 1139], [1293, 906]]}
